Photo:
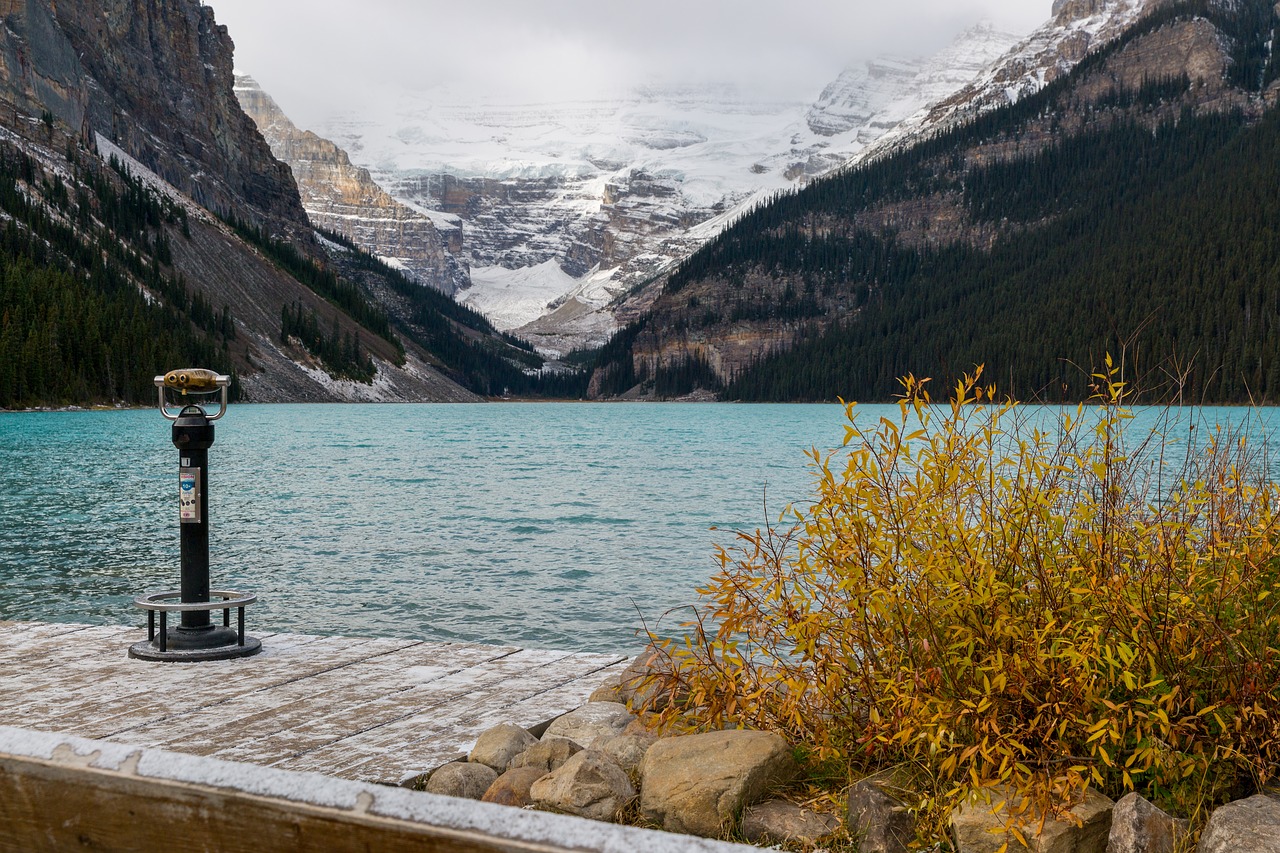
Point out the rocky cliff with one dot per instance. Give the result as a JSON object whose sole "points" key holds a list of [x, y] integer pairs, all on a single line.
{"points": [[1054, 49], [877, 96], [153, 76], [39, 70], [122, 138], [341, 197]]}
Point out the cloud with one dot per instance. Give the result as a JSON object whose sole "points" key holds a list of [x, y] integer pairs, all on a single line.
{"points": [[327, 56]]}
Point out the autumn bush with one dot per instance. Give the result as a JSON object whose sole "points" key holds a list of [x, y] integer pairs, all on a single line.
{"points": [[980, 594]]}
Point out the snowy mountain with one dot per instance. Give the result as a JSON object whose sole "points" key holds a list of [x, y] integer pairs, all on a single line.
{"points": [[877, 97], [1076, 28], [614, 191]]}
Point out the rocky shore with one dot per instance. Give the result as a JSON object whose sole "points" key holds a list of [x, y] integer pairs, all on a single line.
{"points": [[603, 762]]}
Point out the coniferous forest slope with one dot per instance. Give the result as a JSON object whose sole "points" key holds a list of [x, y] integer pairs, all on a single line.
{"points": [[1132, 206]]}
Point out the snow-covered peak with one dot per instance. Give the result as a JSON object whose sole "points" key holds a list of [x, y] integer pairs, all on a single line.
{"points": [[879, 94], [1052, 50]]}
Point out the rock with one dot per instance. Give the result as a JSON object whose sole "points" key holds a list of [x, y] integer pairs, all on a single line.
{"points": [[591, 721], [498, 746], [547, 754], [156, 78], [588, 785], [1245, 826], [697, 784], [512, 787], [972, 824], [1137, 826], [639, 685], [643, 724], [778, 821], [879, 821], [460, 779], [607, 692], [628, 750]]}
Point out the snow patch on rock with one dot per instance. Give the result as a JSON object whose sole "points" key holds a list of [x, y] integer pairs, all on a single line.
{"points": [[511, 298], [107, 149]]}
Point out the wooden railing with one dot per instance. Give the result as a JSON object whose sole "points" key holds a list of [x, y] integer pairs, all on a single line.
{"points": [[62, 793]]}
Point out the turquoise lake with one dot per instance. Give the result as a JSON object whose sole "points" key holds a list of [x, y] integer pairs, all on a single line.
{"points": [[546, 525]]}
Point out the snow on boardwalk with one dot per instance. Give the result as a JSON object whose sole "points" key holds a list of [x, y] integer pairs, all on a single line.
{"points": [[378, 710]]}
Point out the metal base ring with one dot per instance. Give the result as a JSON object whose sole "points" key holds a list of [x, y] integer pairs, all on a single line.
{"points": [[150, 650]]}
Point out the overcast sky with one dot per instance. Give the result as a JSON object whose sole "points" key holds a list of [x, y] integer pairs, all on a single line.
{"points": [[323, 56]]}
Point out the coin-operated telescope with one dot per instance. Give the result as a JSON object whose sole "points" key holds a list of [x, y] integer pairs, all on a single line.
{"points": [[195, 638]]}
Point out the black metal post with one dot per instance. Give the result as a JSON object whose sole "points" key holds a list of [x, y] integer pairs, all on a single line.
{"points": [[193, 436]]}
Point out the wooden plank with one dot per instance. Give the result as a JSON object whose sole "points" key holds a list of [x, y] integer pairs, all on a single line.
{"points": [[340, 727], [46, 639], [101, 681], [15, 636], [125, 688], [57, 669], [367, 708], [102, 662], [177, 695], [403, 743], [454, 735], [265, 713]]}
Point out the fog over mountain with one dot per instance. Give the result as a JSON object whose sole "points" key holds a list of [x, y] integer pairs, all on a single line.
{"points": [[325, 56]]}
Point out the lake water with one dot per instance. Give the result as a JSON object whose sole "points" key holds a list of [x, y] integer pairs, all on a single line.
{"points": [[547, 525]]}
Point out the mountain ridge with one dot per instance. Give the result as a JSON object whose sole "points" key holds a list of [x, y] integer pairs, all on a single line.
{"points": [[842, 265], [616, 191]]}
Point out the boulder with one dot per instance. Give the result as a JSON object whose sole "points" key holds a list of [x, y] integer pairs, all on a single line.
{"points": [[460, 779], [780, 821], [609, 691], [547, 754], [591, 721], [512, 788], [639, 686], [879, 821], [627, 750], [1245, 826], [498, 746], [1137, 826], [644, 724], [588, 785], [978, 830], [697, 784]]}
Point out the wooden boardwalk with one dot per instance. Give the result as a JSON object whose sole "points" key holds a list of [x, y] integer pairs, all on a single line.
{"points": [[378, 710]]}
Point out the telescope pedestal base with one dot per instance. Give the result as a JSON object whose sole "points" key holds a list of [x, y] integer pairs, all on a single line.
{"points": [[203, 644]]}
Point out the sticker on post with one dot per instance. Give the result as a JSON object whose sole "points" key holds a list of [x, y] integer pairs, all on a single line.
{"points": [[189, 495]]}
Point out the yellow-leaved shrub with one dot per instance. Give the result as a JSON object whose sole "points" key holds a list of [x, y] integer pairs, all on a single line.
{"points": [[991, 594]]}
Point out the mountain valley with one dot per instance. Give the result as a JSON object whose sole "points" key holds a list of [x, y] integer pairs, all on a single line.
{"points": [[1023, 202]]}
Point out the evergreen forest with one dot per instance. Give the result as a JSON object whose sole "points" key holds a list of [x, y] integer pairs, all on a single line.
{"points": [[75, 327]]}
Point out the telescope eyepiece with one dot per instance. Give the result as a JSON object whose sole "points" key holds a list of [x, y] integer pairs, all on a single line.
{"points": [[194, 381]]}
